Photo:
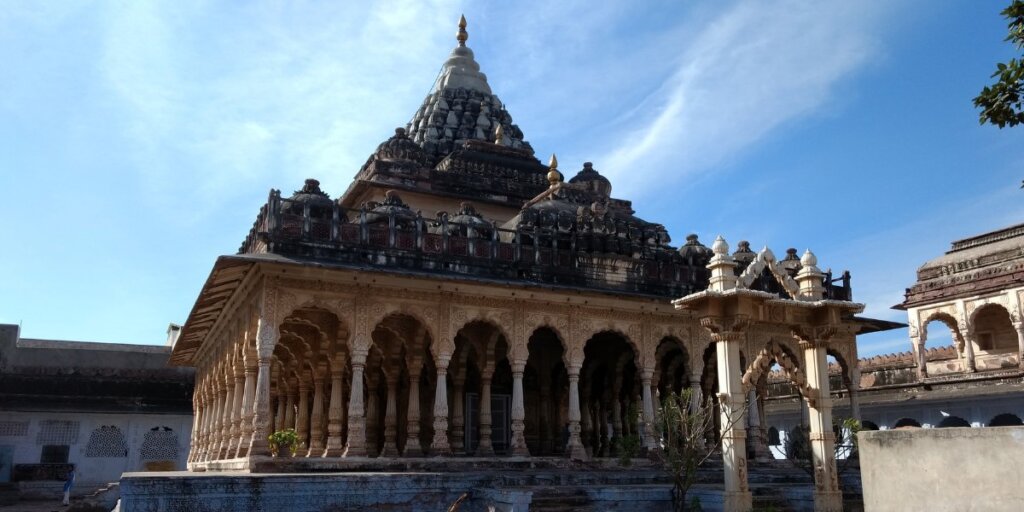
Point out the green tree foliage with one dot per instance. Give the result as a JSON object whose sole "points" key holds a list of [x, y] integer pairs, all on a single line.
{"points": [[1002, 103], [683, 441]]}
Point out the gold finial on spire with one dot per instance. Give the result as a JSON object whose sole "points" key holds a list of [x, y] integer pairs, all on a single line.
{"points": [[499, 134], [462, 35], [554, 176]]}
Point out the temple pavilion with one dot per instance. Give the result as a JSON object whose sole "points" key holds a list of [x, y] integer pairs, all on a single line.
{"points": [[463, 299]]}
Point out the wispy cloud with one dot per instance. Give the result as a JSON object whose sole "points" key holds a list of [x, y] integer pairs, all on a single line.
{"points": [[745, 73], [215, 106]]}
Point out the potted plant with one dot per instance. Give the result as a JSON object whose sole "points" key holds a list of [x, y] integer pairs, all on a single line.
{"points": [[287, 440]]}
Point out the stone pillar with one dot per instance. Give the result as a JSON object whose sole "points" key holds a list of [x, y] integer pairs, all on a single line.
{"points": [[234, 415], [289, 405], [544, 421], [922, 367], [373, 434], [758, 445], [586, 421], [248, 397], [226, 414], [439, 445], [316, 431], [827, 496], [412, 417], [335, 448], [356, 444], [518, 442], [259, 446], [650, 443], [696, 394], [575, 447], [391, 416], [734, 450], [616, 415], [213, 443], [968, 349], [199, 421], [1019, 327], [485, 448], [302, 414], [282, 399], [458, 439]]}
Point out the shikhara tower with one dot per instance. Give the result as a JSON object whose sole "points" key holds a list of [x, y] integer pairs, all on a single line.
{"points": [[463, 298]]}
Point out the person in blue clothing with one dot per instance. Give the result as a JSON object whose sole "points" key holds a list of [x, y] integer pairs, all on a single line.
{"points": [[70, 481]]}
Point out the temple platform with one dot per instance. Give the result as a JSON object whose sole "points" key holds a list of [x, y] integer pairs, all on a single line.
{"points": [[516, 484]]}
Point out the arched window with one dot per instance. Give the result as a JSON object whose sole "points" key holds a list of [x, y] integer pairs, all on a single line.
{"points": [[1005, 420], [993, 330], [906, 423], [106, 441], [953, 421], [868, 425]]}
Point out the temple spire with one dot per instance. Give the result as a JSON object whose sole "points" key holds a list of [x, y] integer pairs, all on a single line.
{"points": [[462, 35]]}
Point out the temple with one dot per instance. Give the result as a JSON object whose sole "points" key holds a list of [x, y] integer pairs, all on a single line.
{"points": [[462, 298]]}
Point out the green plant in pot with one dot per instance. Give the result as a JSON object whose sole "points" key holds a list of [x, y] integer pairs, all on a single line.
{"points": [[284, 441]]}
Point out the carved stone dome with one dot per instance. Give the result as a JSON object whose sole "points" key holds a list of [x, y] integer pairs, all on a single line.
{"points": [[593, 180], [391, 206], [310, 194], [400, 147], [700, 253]]}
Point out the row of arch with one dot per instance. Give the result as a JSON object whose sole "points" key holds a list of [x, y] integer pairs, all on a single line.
{"points": [[987, 330], [401, 401]]}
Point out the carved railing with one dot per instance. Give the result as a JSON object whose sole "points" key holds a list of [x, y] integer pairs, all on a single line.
{"points": [[526, 254]]}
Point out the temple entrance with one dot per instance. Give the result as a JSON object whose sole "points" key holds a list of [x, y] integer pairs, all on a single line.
{"points": [[546, 392], [610, 394]]}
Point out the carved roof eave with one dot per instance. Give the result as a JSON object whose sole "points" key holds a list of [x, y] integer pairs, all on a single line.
{"points": [[227, 274]]}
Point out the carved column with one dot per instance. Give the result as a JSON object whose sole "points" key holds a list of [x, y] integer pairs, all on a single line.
{"points": [[356, 444], [575, 444], [266, 339], [827, 496], [458, 438], [586, 421], [968, 338], [236, 411], [225, 422], [696, 393], [282, 399], [373, 430], [648, 402], [302, 414], [316, 430], [1019, 327], [412, 417], [731, 397], [757, 440], [213, 452], [922, 367], [616, 414], [518, 441], [391, 415], [248, 397], [289, 405], [335, 448], [485, 448], [440, 446], [544, 421], [261, 406]]}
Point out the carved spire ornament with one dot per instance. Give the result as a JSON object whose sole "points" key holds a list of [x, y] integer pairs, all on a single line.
{"points": [[499, 135], [554, 176], [462, 35]]}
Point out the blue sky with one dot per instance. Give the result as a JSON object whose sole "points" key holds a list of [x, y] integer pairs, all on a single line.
{"points": [[139, 139]]}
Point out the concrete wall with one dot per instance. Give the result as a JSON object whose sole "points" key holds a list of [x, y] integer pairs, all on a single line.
{"points": [[27, 432], [949, 469]]}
